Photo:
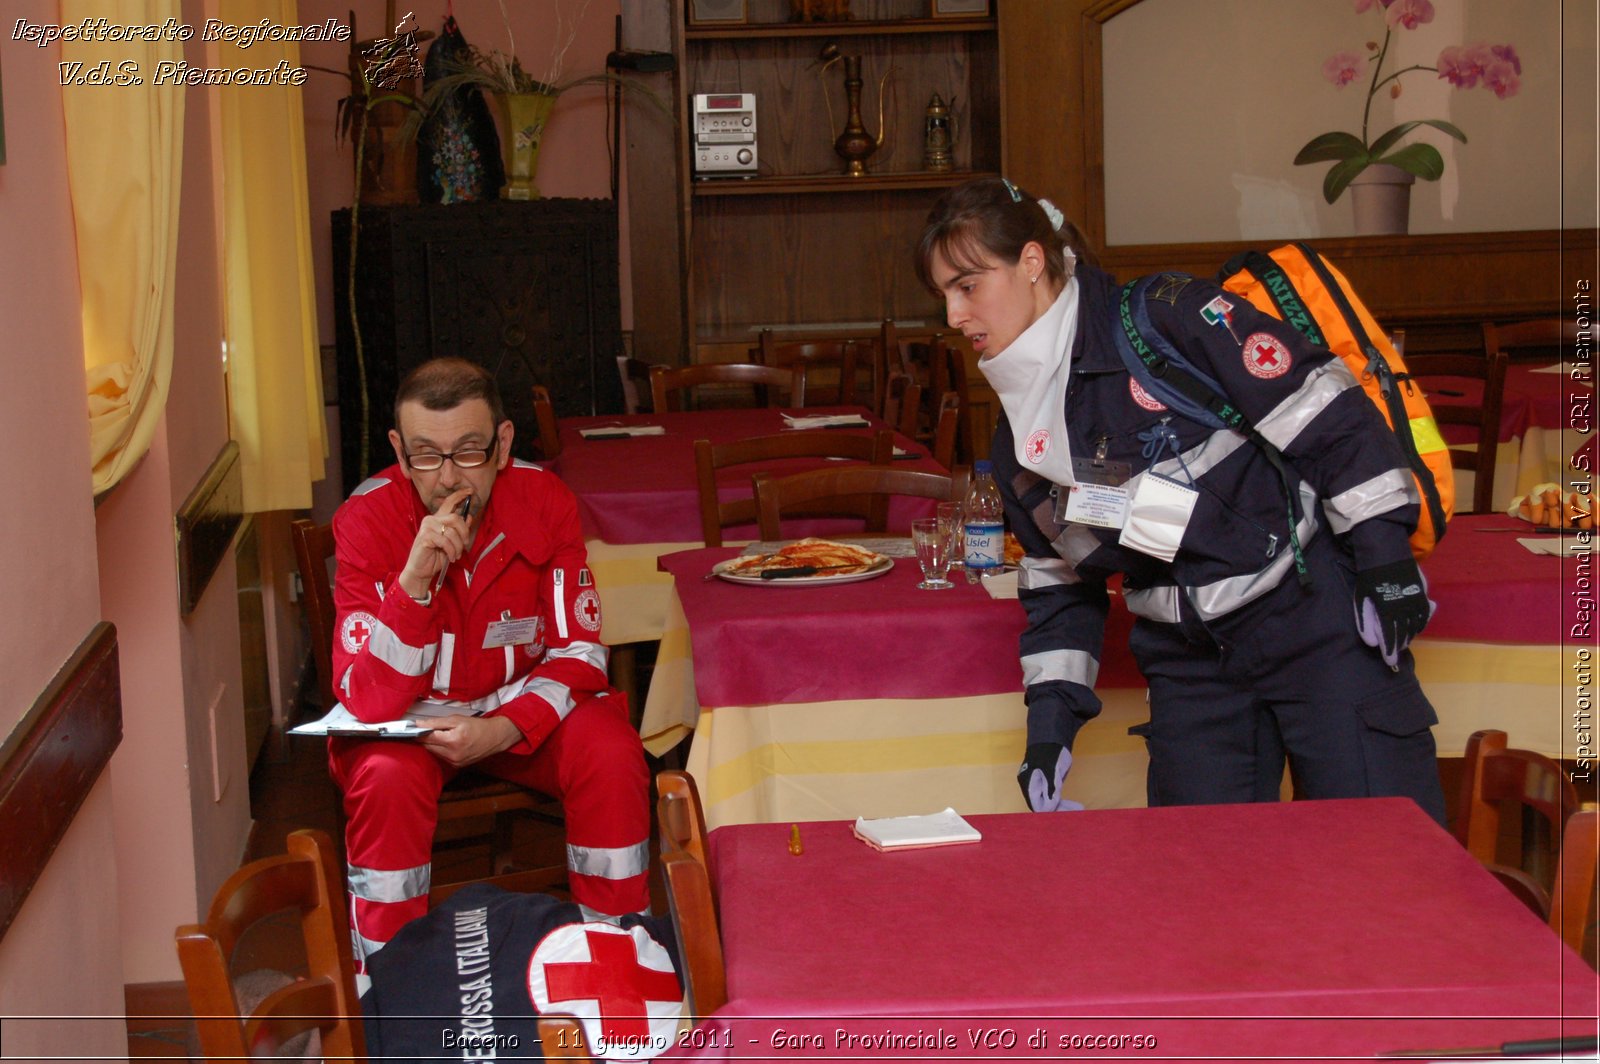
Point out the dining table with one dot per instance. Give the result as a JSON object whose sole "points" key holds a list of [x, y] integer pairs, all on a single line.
{"points": [[1321, 930], [1546, 416], [638, 497], [827, 699]]}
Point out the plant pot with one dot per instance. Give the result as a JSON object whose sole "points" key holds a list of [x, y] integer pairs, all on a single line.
{"points": [[1380, 197], [388, 158], [520, 119]]}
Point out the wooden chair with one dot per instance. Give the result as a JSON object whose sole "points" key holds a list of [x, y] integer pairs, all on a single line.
{"points": [[1573, 899], [544, 416], [635, 376], [1540, 340], [1493, 775], [1485, 417], [946, 429], [841, 357], [902, 404], [685, 868], [303, 883], [939, 367], [469, 794], [668, 384], [717, 514], [776, 496]]}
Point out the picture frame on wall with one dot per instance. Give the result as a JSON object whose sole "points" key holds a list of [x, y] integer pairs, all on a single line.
{"points": [[960, 8], [716, 12]]}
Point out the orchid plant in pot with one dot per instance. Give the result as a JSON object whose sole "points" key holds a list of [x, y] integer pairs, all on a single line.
{"points": [[1495, 67]]}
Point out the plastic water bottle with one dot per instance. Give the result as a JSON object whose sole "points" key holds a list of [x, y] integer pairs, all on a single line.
{"points": [[984, 522]]}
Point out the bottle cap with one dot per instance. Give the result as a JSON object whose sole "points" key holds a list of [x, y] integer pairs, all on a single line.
{"points": [[983, 465]]}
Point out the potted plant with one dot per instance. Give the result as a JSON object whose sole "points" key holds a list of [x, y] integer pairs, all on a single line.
{"points": [[1364, 161]]}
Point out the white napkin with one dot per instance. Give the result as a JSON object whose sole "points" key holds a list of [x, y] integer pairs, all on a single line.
{"points": [[826, 421], [1002, 585], [1558, 546], [606, 432]]}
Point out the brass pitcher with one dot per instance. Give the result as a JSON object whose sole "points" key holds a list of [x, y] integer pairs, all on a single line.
{"points": [[855, 145]]}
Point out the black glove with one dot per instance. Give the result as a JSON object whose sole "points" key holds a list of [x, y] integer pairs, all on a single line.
{"points": [[1044, 766], [1392, 607]]}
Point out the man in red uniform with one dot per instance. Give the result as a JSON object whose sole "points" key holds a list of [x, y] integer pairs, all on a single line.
{"points": [[468, 586]]}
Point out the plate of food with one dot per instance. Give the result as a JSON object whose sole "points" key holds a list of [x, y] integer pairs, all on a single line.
{"points": [[1548, 510], [805, 563]]}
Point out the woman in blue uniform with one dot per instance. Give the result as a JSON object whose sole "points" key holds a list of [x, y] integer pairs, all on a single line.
{"points": [[1273, 603]]}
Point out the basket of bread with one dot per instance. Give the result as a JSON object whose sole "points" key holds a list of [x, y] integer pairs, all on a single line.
{"points": [[1547, 507]]}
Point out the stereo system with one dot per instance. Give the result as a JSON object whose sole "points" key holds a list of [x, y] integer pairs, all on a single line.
{"points": [[725, 134]]}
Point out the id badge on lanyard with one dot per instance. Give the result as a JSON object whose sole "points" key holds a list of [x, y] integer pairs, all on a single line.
{"points": [[1100, 497]]}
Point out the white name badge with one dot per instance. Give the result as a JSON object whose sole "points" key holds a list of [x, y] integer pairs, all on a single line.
{"points": [[1100, 505], [1158, 514], [510, 633]]}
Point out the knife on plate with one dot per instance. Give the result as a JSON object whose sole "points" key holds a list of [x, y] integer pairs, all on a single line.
{"points": [[803, 570]]}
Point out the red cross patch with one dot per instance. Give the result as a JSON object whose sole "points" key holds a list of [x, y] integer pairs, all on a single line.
{"points": [[586, 608], [1265, 356], [356, 630], [1144, 398], [1038, 446], [619, 983]]}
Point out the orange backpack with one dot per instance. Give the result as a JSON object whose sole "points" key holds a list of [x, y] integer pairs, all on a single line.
{"points": [[1296, 284]]}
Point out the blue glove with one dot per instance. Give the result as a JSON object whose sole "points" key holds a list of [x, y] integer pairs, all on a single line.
{"points": [[1392, 607], [1044, 766]]}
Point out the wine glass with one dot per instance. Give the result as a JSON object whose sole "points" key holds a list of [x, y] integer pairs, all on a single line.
{"points": [[932, 541]]}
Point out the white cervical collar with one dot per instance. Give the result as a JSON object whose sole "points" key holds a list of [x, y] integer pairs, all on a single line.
{"points": [[1030, 377]]}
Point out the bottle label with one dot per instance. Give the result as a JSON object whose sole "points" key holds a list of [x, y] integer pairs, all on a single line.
{"points": [[985, 544]]}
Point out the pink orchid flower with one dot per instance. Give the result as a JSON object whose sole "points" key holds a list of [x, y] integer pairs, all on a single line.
{"points": [[1409, 14], [1509, 54], [1342, 68], [1501, 76], [1462, 65], [1368, 5]]}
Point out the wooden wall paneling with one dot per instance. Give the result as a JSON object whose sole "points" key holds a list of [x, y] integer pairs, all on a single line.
{"points": [[1043, 110], [52, 759]]}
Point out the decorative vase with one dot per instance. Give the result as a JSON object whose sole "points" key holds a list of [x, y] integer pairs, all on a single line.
{"points": [[388, 157], [520, 118], [855, 144], [1380, 196]]}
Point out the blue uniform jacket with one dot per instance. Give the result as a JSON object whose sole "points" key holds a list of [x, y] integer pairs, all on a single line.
{"points": [[1346, 468]]}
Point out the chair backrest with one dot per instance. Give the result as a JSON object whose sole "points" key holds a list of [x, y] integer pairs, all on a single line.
{"points": [[635, 374], [544, 418], [1574, 896], [679, 814], [1485, 417], [306, 881], [667, 383], [939, 367], [902, 403], [776, 496], [313, 549], [841, 357], [717, 514], [1493, 774], [1540, 340], [694, 920], [946, 429]]}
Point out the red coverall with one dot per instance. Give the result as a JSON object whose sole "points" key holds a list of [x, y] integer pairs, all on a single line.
{"points": [[547, 674]]}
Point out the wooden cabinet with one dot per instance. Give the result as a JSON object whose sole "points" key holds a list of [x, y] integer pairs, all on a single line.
{"points": [[529, 290], [799, 246]]}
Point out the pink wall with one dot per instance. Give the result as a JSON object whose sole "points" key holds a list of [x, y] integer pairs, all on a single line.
{"points": [[572, 158], [62, 954]]}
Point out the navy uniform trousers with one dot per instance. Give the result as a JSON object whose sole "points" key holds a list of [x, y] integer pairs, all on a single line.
{"points": [[1286, 674]]}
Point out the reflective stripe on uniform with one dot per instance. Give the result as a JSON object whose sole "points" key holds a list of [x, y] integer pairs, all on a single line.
{"points": [[589, 653], [1289, 418], [370, 484], [1154, 603], [363, 946], [441, 670], [1075, 544], [595, 916], [402, 657], [1045, 572], [381, 885], [618, 862], [1214, 600], [1387, 491], [1071, 666], [559, 576], [559, 695]]}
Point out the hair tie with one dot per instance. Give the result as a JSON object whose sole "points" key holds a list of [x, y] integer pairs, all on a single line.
{"points": [[1057, 219]]}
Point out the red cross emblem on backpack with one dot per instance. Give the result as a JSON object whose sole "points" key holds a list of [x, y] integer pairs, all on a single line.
{"points": [[619, 983], [1265, 356]]}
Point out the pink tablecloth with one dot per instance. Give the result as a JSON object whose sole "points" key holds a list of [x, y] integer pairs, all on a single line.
{"points": [[1491, 589], [1225, 929], [1533, 398], [879, 638], [642, 489]]}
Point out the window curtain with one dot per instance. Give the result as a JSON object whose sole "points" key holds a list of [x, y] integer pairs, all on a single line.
{"points": [[274, 368], [124, 164]]}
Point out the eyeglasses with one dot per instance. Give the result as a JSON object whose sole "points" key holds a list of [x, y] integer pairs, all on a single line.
{"points": [[428, 462]]}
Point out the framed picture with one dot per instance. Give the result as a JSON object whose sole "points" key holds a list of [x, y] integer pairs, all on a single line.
{"points": [[960, 8], [716, 12]]}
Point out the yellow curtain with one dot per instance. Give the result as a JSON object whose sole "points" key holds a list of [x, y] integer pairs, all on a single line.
{"points": [[274, 370], [124, 168]]}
